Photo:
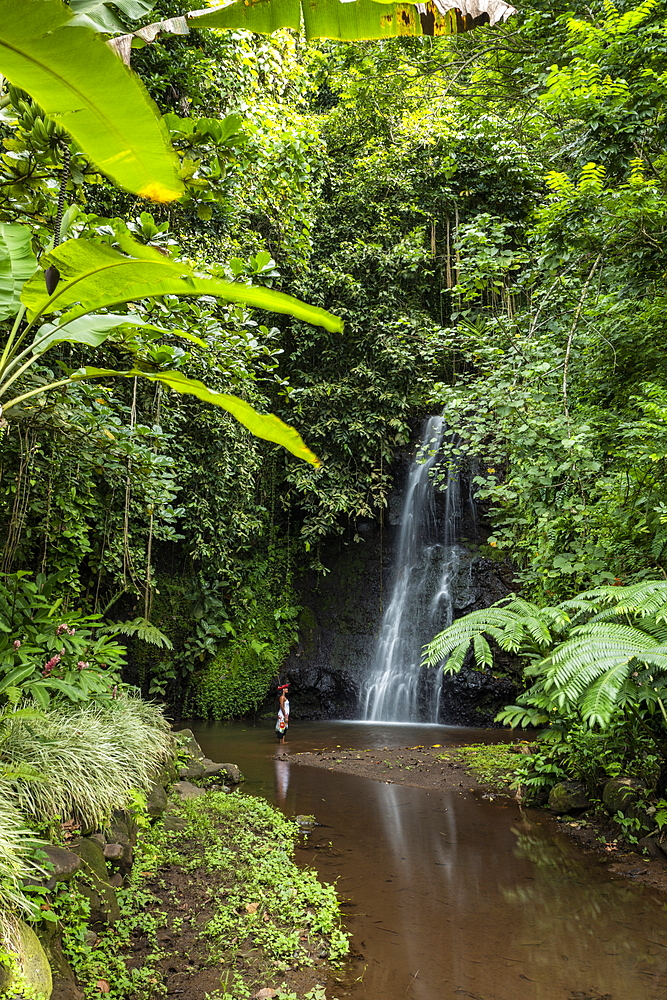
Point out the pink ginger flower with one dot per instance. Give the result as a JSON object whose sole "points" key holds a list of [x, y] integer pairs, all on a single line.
{"points": [[17, 643]]}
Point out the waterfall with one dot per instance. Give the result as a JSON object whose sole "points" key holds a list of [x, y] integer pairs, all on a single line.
{"points": [[398, 689]]}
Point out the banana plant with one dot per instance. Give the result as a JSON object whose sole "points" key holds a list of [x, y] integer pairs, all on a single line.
{"points": [[83, 278], [80, 84]]}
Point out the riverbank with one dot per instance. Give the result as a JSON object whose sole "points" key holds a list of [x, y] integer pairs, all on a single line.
{"points": [[486, 772]]}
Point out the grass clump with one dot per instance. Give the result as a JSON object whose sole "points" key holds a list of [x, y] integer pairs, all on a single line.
{"points": [[81, 763], [493, 763]]}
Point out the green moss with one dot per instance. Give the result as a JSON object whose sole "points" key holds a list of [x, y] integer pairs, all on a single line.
{"points": [[493, 764], [237, 679]]}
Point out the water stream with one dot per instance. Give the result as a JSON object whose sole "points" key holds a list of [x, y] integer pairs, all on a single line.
{"points": [[451, 897], [397, 688]]}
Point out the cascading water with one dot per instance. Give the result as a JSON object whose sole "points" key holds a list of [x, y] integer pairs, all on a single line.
{"points": [[398, 689]]}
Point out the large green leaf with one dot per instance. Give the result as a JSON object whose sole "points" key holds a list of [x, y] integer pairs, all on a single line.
{"points": [[354, 20], [92, 330], [82, 85], [96, 276], [17, 264], [262, 425]]}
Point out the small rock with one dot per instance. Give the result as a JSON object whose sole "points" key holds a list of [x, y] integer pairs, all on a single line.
{"points": [[174, 824], [116, 881], [157, 800], [186, 790], [189, 744], [91, 938], [621, 794], [113, 852], [303, 820], [568, 797], [99, 837], [64, 862]]}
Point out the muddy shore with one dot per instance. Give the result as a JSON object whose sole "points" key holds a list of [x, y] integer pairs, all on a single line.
{"points": [[442, 768]]}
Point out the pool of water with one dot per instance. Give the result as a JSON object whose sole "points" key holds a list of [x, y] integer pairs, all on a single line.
{"points": [[450, 896]]}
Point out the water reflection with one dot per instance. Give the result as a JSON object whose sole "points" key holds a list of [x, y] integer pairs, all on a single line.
{"points": [[453, 898], [281, 768]]}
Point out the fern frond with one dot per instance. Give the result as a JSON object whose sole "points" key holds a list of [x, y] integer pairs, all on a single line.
{"points": [[483, 654], [144, 630], [518, 717], [601, 698]]}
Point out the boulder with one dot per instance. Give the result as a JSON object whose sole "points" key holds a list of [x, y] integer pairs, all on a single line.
{"points": [[64, 981], [186, 790], [114, 853], [568, 797], [622, 794], [104, 907], [231, 773], [156, 802], [195, 769], [32, 966], [65, 863], [189, 744]]}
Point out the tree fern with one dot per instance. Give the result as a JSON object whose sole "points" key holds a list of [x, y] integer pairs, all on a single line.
{"points": [[590, 656]]}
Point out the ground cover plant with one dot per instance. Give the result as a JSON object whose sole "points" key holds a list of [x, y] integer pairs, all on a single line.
{"points": [[222, 898]]}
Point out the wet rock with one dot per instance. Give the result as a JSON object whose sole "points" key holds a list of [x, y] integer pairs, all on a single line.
{"points": [[189, 744], [568, 797], [304, 821], [65, 863], [33, 965], [156, 803], [621, 794], [652, 848], [186, 790], [103, 903]]}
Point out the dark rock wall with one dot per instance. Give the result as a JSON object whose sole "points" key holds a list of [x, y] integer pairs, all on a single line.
{"points": [[342, 614]]}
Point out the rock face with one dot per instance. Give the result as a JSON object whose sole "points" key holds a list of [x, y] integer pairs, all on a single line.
{"points": [[33, 965], [342, 613], [568, 797]]}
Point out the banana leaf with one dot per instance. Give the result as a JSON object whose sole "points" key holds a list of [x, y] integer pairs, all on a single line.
{"points": [[82, 85]]}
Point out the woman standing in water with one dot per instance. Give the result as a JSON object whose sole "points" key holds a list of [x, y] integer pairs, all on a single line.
{"points": [[283, 712]]}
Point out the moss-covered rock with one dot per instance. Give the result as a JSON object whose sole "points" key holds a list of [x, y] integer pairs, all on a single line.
{"points": [[31, 967], [95, 886], [568, 797]]}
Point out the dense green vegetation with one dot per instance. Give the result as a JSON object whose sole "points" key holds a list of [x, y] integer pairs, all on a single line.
{"points": [[215, 343]]}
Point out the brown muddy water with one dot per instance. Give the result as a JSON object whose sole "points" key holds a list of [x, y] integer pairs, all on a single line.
{"points": [[450, 896]]}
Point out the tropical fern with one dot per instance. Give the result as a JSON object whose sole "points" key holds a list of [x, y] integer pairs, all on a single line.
{"points": [[516, 625], [590, 656], [144, 630]]}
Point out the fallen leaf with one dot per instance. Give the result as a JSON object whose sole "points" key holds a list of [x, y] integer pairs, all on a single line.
{"points": [[266, 992], [103, 986], [252, 908]]}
